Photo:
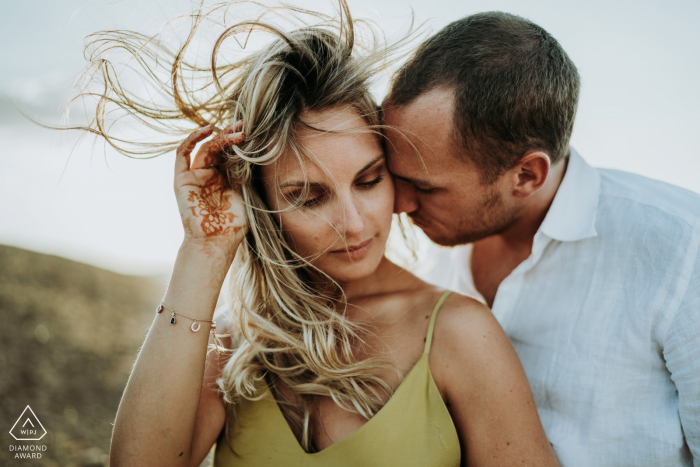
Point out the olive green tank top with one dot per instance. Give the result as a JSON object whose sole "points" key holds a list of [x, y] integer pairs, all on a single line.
{"points": [[413, 428]]}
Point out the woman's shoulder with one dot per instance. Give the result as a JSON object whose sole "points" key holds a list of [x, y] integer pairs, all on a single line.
{"points": [[469, 346], [461, 315], [483, 384], [465, 324]]}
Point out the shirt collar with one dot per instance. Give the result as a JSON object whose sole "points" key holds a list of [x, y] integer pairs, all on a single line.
{"points": [[572, 215]]}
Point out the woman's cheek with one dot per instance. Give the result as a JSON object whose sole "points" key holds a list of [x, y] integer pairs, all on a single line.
{"points": [[383, 204], [305, 233]]}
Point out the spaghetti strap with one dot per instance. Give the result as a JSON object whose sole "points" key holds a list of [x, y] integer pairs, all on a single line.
{"points": [[431, 326]]}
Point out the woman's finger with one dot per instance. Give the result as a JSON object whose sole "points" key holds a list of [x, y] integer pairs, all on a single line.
{"points": [[211, 152], [233, 128], [182, 157], [230, 129]]}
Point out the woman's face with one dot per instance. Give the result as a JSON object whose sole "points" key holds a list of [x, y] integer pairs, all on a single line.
{"points": [[342, 225]]}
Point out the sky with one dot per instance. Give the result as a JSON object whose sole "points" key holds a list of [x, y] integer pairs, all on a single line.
{"points": [[639, 111]]}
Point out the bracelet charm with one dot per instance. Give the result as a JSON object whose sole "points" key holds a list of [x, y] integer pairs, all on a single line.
{"points": [[196, 323]]}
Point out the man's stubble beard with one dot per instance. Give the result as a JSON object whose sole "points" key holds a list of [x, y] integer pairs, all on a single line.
{"points": [[491, 218]]}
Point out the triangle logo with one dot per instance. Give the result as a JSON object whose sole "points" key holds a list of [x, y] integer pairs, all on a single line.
{"points": [[28, 427]]}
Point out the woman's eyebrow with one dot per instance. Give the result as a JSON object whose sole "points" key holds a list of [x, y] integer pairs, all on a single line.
{"points": [[370, 165], [301, 184]]}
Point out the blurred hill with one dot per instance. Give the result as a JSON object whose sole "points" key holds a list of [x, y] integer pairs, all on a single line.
{"points": [[69, 335]]}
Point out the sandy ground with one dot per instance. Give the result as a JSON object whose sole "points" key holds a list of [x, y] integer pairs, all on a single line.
{"points": [[69, 334]]}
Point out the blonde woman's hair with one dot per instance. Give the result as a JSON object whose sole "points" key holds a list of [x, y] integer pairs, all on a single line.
{"points": [[288, 331]]}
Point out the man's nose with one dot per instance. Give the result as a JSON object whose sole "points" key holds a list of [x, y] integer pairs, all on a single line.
{"points": [[405, 199]]}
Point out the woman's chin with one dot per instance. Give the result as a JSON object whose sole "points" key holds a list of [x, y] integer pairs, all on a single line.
{"points": [[345, 270]]}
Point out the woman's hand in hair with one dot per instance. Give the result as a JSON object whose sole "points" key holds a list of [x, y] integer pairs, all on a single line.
{"points": [[212, 211]]}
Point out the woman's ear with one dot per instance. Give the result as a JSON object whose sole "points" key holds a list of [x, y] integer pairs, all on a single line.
{"points": [[530, 173]]}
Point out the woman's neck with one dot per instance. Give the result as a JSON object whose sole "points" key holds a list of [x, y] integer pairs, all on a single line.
{"points": [[386, 278]]}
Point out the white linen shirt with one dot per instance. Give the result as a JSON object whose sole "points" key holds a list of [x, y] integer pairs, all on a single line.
{"points": [[605, 316]]}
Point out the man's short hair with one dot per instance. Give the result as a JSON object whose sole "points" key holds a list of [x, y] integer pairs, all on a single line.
{"points": [[515, 88]]}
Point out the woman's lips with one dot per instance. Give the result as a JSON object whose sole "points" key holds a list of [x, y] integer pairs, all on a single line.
{"points": [[354, 252]]}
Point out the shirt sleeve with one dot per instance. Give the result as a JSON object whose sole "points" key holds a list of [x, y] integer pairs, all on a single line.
{"points": [[682, 354]]}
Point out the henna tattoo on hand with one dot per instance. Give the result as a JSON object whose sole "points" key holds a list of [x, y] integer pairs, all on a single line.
{"points": [[211, 203], [214, 205]]}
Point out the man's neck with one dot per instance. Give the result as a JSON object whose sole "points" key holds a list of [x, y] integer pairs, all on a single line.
{"points": [[495, 257], [520, 234]]}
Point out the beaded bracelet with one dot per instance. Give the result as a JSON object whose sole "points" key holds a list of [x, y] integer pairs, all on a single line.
{"points": [[195, 325]]}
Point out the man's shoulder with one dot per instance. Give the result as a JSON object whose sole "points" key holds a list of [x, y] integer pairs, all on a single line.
{"points": [[648, 197]]}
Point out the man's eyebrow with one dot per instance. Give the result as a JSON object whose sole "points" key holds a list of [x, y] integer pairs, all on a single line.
{"points": [[414, 181]]}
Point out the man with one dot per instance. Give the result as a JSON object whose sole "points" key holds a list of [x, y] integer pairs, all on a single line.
{"points": [[594, 274]]}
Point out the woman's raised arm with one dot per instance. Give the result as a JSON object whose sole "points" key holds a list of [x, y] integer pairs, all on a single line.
{"points": [[156, 418]]}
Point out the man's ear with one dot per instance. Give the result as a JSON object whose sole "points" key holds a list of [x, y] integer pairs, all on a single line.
{"points": [[530, 173]]}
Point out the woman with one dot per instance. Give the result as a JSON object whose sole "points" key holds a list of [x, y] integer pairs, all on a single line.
{"points": [[334, 355]]}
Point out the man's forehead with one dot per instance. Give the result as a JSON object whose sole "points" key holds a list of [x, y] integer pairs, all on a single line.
{"points": [[429, 108], [421, 147], [425, 123]]}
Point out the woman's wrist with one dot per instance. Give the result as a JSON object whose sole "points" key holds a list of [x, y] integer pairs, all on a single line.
{"points": [[198, 275], [216, 250]]}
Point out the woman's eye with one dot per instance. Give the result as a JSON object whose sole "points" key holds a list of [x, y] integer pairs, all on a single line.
{"points": [[314, 197], [312, 202], [371, 183]]}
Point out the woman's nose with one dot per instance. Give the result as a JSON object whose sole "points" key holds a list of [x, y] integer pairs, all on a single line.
{"points": [[352, 222]]}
